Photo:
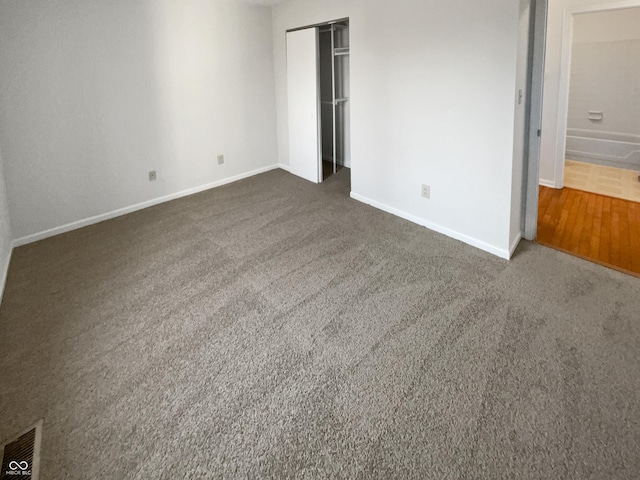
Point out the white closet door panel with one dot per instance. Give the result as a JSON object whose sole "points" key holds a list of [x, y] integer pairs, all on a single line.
{"points": [[302, 87]]}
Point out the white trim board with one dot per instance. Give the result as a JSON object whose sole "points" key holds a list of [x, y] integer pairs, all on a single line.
{"points": [[140, 206], [604, 6], [436, 228], [547, 183]]}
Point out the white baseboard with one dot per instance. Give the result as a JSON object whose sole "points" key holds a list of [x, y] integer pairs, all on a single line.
{"points": [[547, 183], [4, 272], [437, 228], [149, 203]]}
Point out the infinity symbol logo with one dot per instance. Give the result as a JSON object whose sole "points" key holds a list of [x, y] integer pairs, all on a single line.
{"points": [[13, 465]]}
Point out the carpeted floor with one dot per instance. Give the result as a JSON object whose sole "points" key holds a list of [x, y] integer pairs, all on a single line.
{"points": [[277, 329]]}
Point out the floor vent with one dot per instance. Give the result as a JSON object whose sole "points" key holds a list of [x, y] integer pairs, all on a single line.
{"points": [[21, 456]]}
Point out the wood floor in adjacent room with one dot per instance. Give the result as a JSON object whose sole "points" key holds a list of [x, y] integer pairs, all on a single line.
{"points": [[599, 228]]}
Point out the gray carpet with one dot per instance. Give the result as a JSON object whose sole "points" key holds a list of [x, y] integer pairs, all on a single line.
{"points": [[277, 329]]}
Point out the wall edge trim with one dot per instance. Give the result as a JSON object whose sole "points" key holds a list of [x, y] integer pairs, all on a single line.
{"points": [[139, 206], [474, 242]]}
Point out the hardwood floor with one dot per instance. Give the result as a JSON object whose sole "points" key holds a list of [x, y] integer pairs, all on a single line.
{"points": [[602, 229]]}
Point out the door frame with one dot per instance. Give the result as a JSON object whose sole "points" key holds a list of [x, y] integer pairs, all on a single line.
{"points": [[538, 40], [537, 50], [317, 27]]}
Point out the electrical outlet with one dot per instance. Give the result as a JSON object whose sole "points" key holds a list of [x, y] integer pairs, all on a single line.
{"points": [[426, 191], [152, 176], [220, 159]]}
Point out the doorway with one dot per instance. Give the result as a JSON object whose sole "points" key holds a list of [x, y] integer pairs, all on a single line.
{"points": [[334, 97], [318, 100], [602, 139], [573, 215]]}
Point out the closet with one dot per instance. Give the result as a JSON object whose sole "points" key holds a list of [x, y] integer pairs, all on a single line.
{"points": [[318, 100]]}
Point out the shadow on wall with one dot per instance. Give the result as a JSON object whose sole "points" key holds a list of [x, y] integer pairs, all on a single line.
{"points": [[80, 110], [211, 89], [94, 95]]}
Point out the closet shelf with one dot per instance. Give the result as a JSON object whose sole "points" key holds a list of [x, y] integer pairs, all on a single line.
{"points": [[341, 51]]}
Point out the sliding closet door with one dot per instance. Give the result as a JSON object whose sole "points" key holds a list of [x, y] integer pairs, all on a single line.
{"points": [[303, 99]]}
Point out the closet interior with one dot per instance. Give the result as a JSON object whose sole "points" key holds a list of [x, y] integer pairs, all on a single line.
{"points": [[333, 48]]}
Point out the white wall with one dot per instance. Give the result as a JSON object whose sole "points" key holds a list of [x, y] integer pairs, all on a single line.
{"points": [[605, 69], [555, 94], [607, 26], [93, 95], [5, 231], [432, 101]]}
